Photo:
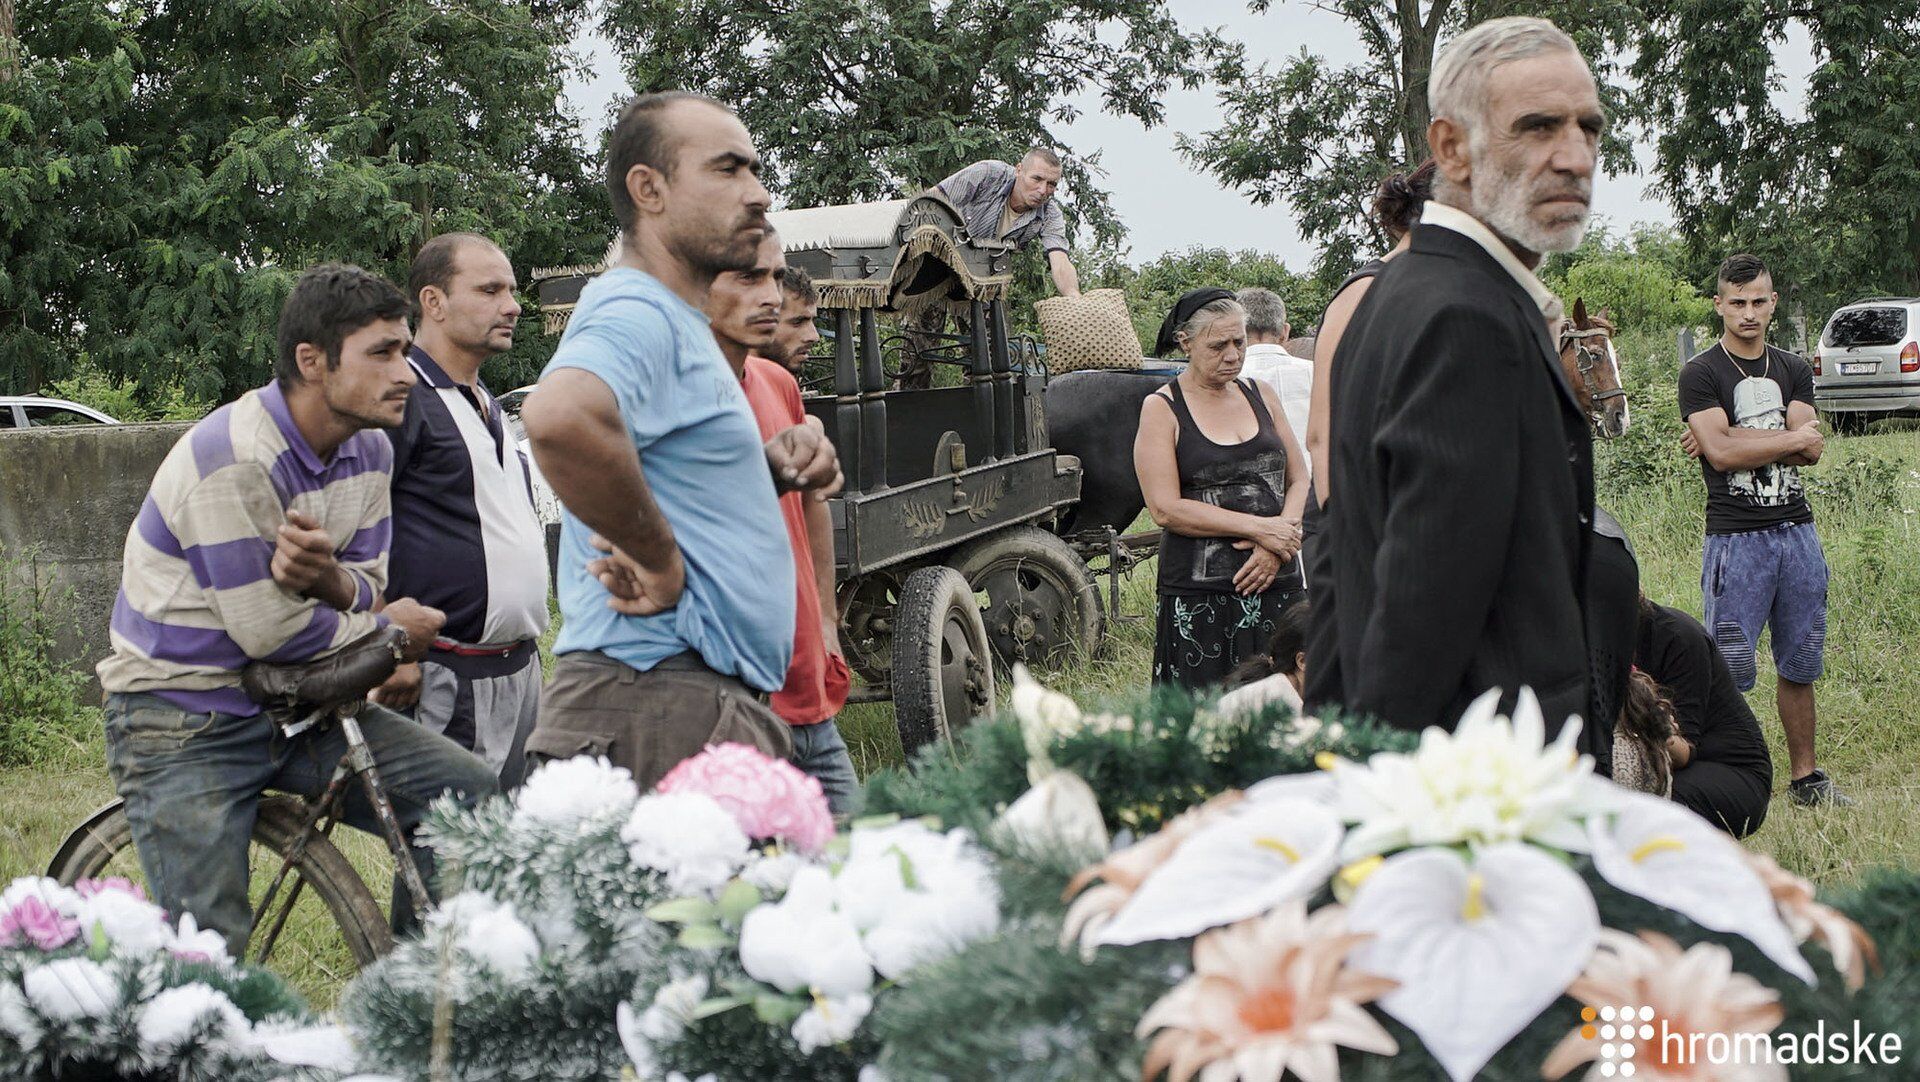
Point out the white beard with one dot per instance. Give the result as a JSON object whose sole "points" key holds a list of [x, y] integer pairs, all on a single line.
{"points": [[1505, 202]]}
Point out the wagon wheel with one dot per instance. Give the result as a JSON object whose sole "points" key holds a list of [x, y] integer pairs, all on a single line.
{"points": [[866, 631], [1036, 596], [942, 672]]}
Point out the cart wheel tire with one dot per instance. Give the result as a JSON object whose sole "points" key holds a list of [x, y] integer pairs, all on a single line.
{"points": [[942, 666], [1037, 598], [92, 847]]}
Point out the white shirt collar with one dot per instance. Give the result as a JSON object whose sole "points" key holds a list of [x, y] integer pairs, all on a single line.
{"points": [[1268, 349], [1446, 217]]}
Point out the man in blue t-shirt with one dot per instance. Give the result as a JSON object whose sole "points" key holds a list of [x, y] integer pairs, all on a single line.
{"points": [[676, 582]]}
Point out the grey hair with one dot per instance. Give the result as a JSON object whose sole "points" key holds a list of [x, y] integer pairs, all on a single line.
{"points": [[1203, 317], [1457, 86], [1266, 312]]}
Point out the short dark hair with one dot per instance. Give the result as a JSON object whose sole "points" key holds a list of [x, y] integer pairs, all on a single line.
{"points": [[1741, 268], [1045, 154], [642, 137], [433, 265], [328, 303], [796, 282]]}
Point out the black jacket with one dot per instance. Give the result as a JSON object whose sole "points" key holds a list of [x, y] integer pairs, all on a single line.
{"points": [[1462, 495]]}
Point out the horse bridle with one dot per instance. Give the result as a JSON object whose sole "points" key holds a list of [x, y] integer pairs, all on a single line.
{"points": [[1587, 361]]}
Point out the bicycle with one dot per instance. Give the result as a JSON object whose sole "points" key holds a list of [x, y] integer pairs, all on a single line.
{"points": [[293, 829]]}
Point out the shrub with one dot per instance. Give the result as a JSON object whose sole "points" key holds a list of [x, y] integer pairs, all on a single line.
{"points": [[41, 716]]}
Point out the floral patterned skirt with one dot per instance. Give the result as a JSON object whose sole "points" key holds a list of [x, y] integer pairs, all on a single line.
{"points": [[1200, 638]]}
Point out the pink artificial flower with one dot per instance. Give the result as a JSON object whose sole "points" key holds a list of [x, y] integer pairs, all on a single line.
{"points": [[38, 923], [87, 888], [768, 797]]}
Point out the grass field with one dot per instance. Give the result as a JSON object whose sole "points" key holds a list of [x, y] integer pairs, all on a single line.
{"points": [[1866, 494]]}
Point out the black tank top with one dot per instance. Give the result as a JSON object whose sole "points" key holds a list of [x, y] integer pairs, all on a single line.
{"points": [[1250, 477], [1310, 522]]}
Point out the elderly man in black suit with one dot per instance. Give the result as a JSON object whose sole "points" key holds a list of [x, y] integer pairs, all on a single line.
{"points": [[1463, 465]]}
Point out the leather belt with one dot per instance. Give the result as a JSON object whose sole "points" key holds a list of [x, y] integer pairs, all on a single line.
{"points": [[444, 645]]}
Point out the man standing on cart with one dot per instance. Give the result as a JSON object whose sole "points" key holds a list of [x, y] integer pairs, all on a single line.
{"points": [[1010, 203]]}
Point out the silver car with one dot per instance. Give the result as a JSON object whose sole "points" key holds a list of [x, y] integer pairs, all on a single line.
{"points": [[1868, 363], [32, 411]]}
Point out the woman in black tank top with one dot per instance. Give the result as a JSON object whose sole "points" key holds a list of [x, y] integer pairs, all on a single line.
{"points": [[1228, 490]]}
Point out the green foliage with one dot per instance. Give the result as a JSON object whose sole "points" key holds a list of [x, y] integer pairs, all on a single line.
{"points": [[1640, 280], [1152, 287], [1321, 135], [262, 138], [123, 400], [1648, 455], [41, 718], [881, 99], [1837, 223]]}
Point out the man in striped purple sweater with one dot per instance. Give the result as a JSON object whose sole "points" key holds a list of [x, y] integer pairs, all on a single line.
{"points": [[264, 537]]}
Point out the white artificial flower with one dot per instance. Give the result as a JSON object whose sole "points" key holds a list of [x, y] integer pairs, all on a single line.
{"points": [[16, 1016], [191, 939], [772, 873], [567, 792], [1240, 865], [64, 900], [1661, 851], [1060, 813], [1045, 716], [639, 1050], [1478, 949], [134, 927], [1250, 699], [1489, 781], [170, 1018], [688, 837], [872, 1073], [802, 944], [489, 932], [676, 1076], [673, 1007], [325, 1046], [916, 895], [831, 1020], [70, 989]]}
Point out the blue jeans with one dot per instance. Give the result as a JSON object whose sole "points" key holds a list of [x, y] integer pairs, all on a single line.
{"points": [[192, 785], [1775, 577], [819, 750]]}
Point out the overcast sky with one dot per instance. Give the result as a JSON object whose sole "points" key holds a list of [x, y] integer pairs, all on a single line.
{"points": [[1165, 204]]}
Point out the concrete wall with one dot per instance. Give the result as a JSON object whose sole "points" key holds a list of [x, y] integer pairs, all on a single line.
{"points": [[67, 498]]}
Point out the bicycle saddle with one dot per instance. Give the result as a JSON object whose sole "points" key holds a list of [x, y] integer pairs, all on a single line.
{"points": [[343, 676]]}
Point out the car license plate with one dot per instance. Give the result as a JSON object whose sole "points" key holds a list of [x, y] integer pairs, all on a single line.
{"points": [[1859, 368]]}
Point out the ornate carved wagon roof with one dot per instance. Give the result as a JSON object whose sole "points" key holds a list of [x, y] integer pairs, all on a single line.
{"points": [[892, 256]]}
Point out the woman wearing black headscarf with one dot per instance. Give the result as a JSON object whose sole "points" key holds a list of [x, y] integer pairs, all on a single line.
{"points": [[1224, 478]]}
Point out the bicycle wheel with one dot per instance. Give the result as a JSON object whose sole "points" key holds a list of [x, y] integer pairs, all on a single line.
{"points": [[335, 927]]}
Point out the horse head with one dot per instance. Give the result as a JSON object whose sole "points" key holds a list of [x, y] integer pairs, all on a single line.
{"points": [[1593, 370]]}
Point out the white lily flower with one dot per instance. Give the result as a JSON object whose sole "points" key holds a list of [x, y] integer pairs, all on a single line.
{"points": [[1059, 812], [1479, 950], [803, 944], [1241, 865], [70, 989], [1314, 788], [191, 940], [831, 1020], [1489, 781], [1661, 851], [1044, 715], [325, 1046]]}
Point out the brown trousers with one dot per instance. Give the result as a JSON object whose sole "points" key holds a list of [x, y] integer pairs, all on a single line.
{"points": [[648, 721]]}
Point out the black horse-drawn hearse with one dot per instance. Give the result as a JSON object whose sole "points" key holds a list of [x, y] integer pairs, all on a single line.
{"points": [[946, 553]]}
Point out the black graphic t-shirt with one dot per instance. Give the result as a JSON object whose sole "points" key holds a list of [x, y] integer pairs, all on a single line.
{"points": [[1755, 395]]}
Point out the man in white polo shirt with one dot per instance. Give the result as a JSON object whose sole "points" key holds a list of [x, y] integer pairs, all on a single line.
{"points": [[464, 529], [1268, 360]]}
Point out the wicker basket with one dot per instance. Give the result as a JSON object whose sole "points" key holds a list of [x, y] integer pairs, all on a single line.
{"points": [[1093, 330]]}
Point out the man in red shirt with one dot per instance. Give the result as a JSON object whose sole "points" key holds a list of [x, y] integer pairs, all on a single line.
{"points": [[745, 309]]}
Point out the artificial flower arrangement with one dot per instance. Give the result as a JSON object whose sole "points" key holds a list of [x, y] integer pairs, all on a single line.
{"points": [[719, 924], [97, 982], [1452, 906]]}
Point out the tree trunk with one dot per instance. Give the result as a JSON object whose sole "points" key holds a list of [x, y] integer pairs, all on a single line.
{"points": [[1417, 39], [9, 43]]}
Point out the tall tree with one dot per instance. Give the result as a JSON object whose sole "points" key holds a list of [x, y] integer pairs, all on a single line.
{"points": [[873, 100], [1320, 135], [1828, 188], [233, 143]]}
